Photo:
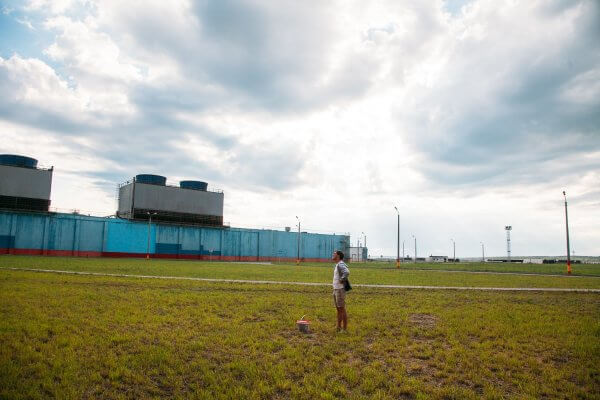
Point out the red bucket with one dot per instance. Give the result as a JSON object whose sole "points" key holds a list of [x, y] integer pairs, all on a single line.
{"points": [[303, 325]]}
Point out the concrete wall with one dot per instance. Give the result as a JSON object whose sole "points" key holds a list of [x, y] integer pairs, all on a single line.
{"points": [[170, 199], [76, 235], [25, 182]]}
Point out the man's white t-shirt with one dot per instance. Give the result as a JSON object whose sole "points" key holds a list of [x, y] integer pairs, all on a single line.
{"points": [[336, 275]]}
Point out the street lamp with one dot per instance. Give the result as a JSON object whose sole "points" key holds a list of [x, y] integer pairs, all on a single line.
{"points": [[568, 244], [482, 252], [415, 248], [298, 256], [398, 240], [365, 245], [453, 250], [149, 222]]}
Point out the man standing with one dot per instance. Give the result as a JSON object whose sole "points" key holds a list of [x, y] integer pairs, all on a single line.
{"points": [[340, 274]]}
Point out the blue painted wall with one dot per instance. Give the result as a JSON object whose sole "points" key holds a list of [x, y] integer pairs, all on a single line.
{"points": [[69, 234]]}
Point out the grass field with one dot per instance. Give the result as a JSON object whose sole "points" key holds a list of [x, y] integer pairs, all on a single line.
{"points": [[554, 269], [371, 273], [65, 336]]}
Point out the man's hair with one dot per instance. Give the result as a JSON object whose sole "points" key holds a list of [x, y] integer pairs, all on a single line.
{"points": [[340, 254]]}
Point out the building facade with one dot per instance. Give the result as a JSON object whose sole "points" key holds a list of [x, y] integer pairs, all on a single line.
{"points": [[357, 254], [61, 234]]}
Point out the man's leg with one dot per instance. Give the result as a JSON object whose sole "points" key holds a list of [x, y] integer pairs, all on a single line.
{"points": [[344, 318], [340, 317]]}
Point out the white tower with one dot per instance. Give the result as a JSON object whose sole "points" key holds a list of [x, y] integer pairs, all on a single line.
{"points": [[508, 228]]}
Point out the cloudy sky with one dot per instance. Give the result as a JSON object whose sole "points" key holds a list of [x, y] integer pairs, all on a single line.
{"points": [[466, 115]]}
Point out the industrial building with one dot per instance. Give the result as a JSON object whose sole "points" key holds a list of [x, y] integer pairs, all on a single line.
{"points": [[148, 196], [155, 220], [357, 253], [23, 185], [433, 258]]}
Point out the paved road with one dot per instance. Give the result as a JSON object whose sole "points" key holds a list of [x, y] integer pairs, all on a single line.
{"points": [[499, 289]]}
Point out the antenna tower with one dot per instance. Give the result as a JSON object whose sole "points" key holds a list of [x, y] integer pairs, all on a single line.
{"points": [[508, 228]]}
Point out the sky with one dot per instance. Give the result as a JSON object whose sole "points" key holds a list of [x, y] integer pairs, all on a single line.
{"points": [[465, 115]]}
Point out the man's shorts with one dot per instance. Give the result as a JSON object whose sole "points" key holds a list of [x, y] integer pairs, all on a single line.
{"points": [[339, 297]]}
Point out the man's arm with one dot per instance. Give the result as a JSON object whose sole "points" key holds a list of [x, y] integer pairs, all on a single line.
{"points": [[343, 271]]}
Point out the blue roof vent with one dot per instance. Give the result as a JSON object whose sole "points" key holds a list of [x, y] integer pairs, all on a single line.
{"points": [[194, 185], [151, 179], [18, 161]]}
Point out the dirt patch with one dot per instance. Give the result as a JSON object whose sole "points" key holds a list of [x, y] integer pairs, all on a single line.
{"points": [[426, 321]]}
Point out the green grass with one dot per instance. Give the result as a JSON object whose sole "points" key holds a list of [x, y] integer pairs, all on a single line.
{"points": [[369, 274], [526, 268], [73, 337]]}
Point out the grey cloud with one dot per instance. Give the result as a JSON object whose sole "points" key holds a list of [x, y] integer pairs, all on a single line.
{"points": [[152, 142], [589, 198], [552, 8], [263, 55], [505, 124], [40, 118], [237, 55], [268, 168]]}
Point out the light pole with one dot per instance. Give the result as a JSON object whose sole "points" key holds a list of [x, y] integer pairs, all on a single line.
{"points": [[508, 228], [482, 252], [365, 246], [298, 256], [453, 250], [149, 223], [398, 240], [568, 244], [415, 248]]}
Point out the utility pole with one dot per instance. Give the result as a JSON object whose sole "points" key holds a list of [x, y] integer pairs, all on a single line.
{"points": [[482, 252], [403, 251], [508, 228], [398, 240], [568, 243], [453, 250], [365, 246], [415, 248], [149, 223], [298, 255]]}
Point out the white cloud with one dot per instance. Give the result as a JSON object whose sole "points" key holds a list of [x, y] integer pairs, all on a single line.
{"points": [[32, 82], [34, 93], [53, 6], [26, 23]]}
